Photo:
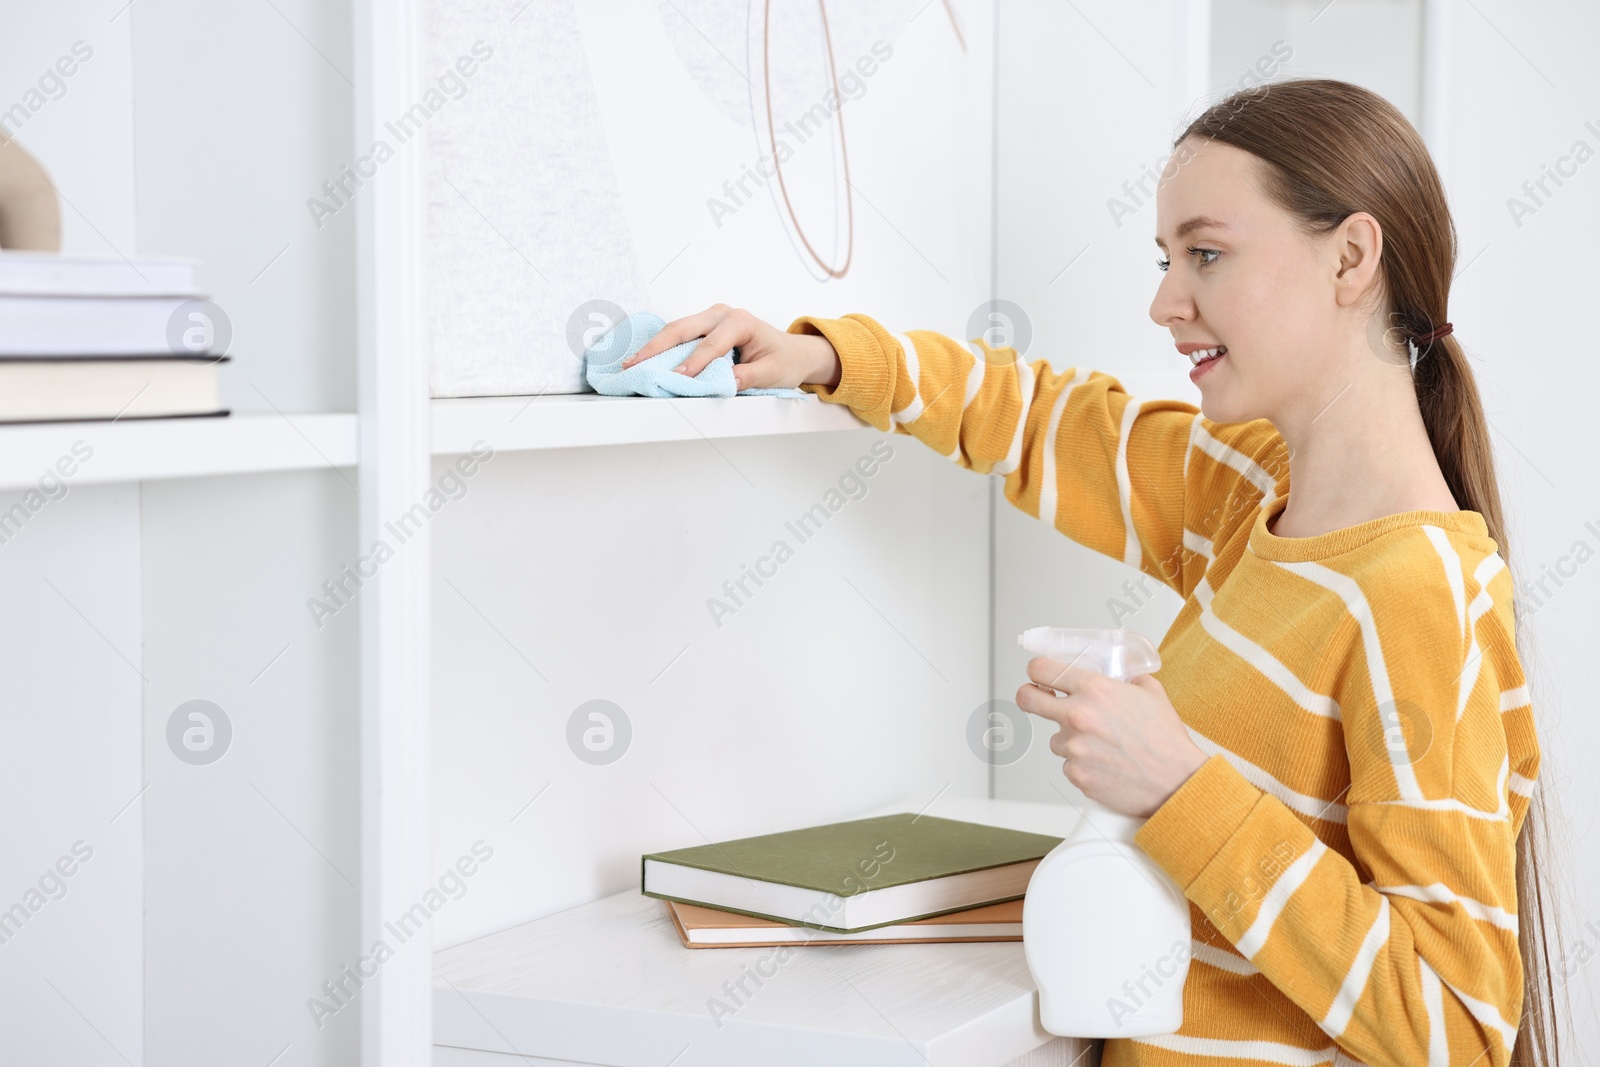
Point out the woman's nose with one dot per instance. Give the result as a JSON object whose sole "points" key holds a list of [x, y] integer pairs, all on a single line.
{"points": [[1171, 304]]}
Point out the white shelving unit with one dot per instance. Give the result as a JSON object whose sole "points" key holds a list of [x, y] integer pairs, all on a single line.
{"points": [[146, 564]]}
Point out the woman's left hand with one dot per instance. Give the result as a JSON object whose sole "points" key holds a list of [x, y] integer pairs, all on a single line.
{"points": [[1124, 744]]}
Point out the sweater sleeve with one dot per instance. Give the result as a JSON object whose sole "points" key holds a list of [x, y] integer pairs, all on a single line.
{"points": [[1139, 481], [1404, 951]]}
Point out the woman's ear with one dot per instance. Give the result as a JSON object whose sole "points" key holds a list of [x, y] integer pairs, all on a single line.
{"points": [[1357, 250]]}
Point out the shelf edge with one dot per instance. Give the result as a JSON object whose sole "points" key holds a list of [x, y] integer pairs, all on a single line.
{"points": [[586, 420], [95, 453]]}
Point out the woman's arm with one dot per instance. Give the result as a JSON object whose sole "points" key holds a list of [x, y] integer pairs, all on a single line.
{"points": [[1125, 477], [1407, 953]]}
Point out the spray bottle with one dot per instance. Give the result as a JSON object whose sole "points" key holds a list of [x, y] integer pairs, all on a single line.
{"points": [[1104, 929]]}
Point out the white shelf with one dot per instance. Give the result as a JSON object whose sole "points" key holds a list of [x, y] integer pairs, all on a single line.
{"points": [[144, 449], [515, 423], [610, 982]]}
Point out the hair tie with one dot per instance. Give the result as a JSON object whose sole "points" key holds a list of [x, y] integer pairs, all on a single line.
{"points": [[1424, 340]]}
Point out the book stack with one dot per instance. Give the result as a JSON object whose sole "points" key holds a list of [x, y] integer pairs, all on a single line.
{"points": [[104, 337], [893, 879]]}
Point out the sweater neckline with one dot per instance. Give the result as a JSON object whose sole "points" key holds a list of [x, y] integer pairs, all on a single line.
{"points": [[1268, 545]]}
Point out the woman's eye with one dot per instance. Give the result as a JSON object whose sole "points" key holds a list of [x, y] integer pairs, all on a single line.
{"points": [[1163, 264]]}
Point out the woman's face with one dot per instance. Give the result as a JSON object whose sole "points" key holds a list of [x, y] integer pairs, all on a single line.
{"points": [[1244, 277]]}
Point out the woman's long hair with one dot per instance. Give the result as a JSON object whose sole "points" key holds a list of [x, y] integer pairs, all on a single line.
{"points": [[1332, 148]]}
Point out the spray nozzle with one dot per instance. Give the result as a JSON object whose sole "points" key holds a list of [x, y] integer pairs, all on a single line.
{"points": [[1120, 654]]}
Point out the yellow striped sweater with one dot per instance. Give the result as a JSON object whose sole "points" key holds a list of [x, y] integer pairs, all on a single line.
{"points": [[1348, 848]]}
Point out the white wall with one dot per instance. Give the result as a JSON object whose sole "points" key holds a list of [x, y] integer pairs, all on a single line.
{"points": [[79, 126], [1375, 43], [241, 113]]}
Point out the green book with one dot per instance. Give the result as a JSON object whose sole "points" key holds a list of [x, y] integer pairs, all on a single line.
{"points": [[855, 875]]}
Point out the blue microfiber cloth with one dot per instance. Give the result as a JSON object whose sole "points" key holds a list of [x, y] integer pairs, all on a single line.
{"points": [[655, 376]]}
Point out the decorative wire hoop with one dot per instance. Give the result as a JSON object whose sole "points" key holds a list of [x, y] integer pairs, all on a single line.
{"points": [[772, 136]]}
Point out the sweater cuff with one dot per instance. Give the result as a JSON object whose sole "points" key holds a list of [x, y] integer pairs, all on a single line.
{"points": [[867, 369], [1187, 831]]}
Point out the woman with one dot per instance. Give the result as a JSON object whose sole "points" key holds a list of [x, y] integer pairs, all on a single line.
{"points": [[1338, 762]]}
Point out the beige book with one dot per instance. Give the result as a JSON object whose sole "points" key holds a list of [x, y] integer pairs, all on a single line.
{"points": [[700, 927]]}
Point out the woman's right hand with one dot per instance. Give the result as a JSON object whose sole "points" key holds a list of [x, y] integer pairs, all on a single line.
{"points": [[769, 358]]}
